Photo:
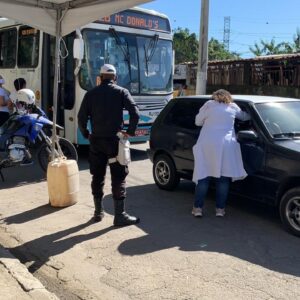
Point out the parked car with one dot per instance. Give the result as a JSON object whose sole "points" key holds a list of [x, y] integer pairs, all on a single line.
{"points": [[270, 145]]}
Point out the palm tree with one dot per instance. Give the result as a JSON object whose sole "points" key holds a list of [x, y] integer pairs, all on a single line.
{"points": [[256, 50], [271, 48], [297, 41]]}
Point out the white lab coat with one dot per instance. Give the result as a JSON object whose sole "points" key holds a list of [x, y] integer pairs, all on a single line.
{"points": [[217, 152]]}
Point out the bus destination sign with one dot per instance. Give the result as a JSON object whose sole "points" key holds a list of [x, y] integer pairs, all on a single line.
{"points": [[29, 31], [137, 20]]}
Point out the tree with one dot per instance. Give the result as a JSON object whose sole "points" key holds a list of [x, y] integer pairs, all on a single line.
{"points": [[296, 39], [186, 48], [185, 45], [217, 51], [271, 48]]}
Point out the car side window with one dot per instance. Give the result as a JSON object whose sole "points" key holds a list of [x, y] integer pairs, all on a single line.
{"points": [[242, 125], [183, 114]]}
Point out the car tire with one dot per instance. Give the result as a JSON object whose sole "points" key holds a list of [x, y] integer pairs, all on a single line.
{"points": [[289, 209], [164, 173]]}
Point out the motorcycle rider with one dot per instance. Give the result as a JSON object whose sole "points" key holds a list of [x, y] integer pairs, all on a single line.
{"points": [[25, 103], [28, 125], [104, 105]]}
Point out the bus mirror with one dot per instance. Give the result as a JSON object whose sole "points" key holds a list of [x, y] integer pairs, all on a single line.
{"points": [[78, 48]]}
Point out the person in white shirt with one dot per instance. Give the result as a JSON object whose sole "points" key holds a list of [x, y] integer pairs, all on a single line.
{"points": [[217, 153], [4, 101]]}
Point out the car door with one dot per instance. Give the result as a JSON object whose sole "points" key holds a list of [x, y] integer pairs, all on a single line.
{"points": [[186, 133], [254, 156]]}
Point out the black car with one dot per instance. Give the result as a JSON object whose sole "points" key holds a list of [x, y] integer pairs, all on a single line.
{"points": [[270, 144]]}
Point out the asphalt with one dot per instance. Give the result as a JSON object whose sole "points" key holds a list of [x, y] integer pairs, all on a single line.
{"points": [[16, 280], [169, 255]]}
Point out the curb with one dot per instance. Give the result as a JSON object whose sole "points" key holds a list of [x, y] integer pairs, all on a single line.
{"points": [[19, 273]]}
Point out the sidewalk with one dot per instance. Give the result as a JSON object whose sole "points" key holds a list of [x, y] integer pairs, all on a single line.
{"points": [[16, 282]]}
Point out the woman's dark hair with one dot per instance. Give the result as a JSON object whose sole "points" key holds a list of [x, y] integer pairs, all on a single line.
{"points": [[20, 83]]}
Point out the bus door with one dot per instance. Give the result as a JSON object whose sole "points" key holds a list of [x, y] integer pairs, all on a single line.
{"points": [[47, 73], [66, 87]]}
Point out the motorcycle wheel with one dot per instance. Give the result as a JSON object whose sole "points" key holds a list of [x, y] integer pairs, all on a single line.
{"points": [[44, 153]]}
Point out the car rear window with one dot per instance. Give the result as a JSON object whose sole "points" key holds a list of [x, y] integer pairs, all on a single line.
{"points": [[183, 114]]}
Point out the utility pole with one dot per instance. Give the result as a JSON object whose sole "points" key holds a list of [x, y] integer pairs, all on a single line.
{"points": [[203, 49]]}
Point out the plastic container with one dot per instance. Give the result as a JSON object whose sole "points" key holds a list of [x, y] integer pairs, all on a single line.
{"points": [[63, 182], [123, 156]]}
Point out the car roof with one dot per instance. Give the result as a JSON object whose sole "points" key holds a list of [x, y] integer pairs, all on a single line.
{"points": [[247, 98]]}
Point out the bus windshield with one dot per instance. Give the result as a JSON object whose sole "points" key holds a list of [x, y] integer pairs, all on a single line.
{"points": [[143, 63]]}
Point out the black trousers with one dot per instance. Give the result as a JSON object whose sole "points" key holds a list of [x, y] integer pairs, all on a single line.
{"points": [[4, 116], [101, 149]]}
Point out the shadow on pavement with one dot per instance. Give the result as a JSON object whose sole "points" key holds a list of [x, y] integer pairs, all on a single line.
{"points": [[250, 232], [51, 245], [137, 154], [30, 215], [18, 176]]}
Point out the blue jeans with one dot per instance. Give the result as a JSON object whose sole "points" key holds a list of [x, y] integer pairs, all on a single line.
{"points": [[222, 188]]}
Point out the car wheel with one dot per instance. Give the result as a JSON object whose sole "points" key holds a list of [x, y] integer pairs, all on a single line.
{"points": [[164, 173], [290, 211]]}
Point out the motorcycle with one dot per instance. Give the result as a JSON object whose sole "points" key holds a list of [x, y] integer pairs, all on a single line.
{"points": [[23, 129]]}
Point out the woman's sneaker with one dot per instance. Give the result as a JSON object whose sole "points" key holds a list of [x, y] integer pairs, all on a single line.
{"points": [[197, 212], [220, 212]]}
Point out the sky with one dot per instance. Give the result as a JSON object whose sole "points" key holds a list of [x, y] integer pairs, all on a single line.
{"points": [[250, 21]]}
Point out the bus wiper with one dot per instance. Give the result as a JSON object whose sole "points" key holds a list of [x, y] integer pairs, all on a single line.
{"points": [[291, 134], [125, 50], [150, 49]]}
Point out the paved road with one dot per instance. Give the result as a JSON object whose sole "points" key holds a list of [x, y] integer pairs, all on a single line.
{"points": [[169, 255]]}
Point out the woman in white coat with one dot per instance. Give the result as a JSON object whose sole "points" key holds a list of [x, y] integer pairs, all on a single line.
{"points": [[217, 153]]}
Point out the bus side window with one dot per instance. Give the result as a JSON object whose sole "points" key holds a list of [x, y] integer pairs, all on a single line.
{"points": [[28, 50], [8, 48]]}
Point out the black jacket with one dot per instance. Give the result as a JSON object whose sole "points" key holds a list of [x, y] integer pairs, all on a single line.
{"points": [[104, 106]]}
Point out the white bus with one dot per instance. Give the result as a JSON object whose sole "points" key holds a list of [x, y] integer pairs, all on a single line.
{"points": [[138, 42]]}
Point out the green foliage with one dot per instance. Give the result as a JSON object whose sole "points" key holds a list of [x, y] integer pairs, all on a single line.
{"points": [[271, 48], [217, 51], [186, 48], [185, 45], [296, 39]]}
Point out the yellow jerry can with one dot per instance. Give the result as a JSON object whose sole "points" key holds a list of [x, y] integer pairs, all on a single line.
{"points": [[63, 182]]}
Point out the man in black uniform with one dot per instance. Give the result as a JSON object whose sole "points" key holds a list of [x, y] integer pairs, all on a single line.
{"points": [[103, 106]]}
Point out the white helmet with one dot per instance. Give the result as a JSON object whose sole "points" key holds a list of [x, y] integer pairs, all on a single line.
{"points": [[26, 95]]}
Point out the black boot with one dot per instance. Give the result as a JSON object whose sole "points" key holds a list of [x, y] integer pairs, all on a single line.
{"points": [[121, 217], [99, 210]]}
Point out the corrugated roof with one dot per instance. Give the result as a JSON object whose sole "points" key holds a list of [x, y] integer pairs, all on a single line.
{"points": [[259, 58]]}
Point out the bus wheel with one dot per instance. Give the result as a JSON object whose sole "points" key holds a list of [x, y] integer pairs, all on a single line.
{"points": [[44, 153]]}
